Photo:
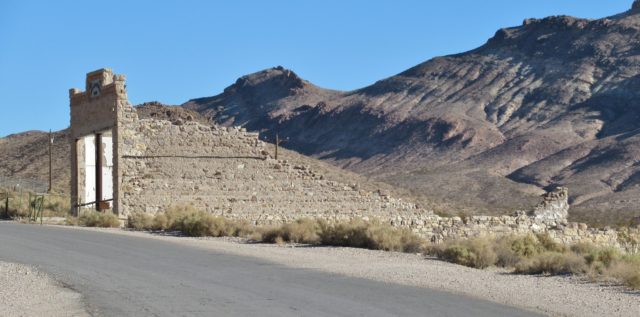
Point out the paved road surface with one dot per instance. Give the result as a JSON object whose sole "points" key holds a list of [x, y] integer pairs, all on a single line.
{"points": [[120, 275]]}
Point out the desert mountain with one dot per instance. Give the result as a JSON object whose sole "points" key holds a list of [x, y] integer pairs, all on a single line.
{"points": [[24, 157], [555, 101]]}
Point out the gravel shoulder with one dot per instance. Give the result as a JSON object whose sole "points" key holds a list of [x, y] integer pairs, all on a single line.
{"points": [[25, 291], [556, 295]]}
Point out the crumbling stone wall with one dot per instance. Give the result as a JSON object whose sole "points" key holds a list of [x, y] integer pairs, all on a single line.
{"points": [[547, 217], [554, 209], [226, 171]]}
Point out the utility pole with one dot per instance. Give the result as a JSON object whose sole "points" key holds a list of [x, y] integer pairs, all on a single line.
{"points": [[50, 162], [278, 141]]}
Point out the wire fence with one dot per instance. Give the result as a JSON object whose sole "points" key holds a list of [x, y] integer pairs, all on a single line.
{"points": [[23, 184], [28, 198]]}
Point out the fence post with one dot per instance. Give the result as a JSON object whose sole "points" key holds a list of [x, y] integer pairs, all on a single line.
{"points": [[6, 206], [19, 207]]}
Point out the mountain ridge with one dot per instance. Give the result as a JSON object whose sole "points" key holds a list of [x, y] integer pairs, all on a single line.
{"points": [[551, 102]]}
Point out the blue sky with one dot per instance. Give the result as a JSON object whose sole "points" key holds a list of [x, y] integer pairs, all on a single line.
{"points": [[172, 51]]}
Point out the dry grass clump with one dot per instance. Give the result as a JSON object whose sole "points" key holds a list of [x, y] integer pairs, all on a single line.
{"points": [[553, 263], [476, 252], [300, 231], [357, 233], [540, 254], [56, 206], [202, 224], [370, 235], [141, 221], [189, 221], [98, 219], [482, 252], [627, 271]]}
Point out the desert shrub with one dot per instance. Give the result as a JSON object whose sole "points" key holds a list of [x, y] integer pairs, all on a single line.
{"points": [[345, 234], [505, 255], [195, 224], [548, 244], [141, 221], [98, 219], [631, 257], [161, 221], [526, 246], [71, 220], [201, 224], [176, 213], [370, 235], [598, 258], [552, 263], [602, 257], [511, 250], [628, 272], [388, 238], [583, 247], [56, 206], [474, 252], [189, 221], [300, 231]]}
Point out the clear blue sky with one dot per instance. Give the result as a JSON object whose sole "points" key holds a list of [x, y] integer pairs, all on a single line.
{"points": [[172, 51]]}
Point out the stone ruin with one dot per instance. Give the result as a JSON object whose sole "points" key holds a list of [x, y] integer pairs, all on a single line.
{"points": [[554, 209], [126, 164]]}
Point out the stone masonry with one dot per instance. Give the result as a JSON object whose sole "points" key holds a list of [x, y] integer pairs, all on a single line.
{"points": [[227, 172]]}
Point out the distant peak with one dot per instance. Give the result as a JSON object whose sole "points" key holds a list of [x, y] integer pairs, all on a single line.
{"points": [[635, 5], [273, 77]]}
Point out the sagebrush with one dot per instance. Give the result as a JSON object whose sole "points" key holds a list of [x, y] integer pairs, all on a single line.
{"points": [[540, 254]]}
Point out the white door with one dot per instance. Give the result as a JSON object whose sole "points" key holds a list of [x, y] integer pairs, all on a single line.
{"points": [[90, 168]]}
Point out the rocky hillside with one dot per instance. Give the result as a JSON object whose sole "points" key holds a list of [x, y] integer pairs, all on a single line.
{"points": [[555, 101], [25, 156]]}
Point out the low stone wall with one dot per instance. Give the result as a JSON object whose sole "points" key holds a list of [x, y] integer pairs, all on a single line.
{"points": [[439, 229]]}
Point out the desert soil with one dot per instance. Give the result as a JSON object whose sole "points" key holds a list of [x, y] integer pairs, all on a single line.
{"points": [[552, 295], [25, 291]]}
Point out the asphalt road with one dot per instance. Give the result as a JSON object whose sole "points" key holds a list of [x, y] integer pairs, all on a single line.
{"points": [[120, 275]]}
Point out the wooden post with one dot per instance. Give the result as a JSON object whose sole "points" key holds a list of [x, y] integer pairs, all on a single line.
{"points": [[6, 206], [98, 170]]}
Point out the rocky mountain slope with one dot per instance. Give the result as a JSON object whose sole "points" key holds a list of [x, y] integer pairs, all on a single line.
{"points": [[24, 158], [554, 101]]}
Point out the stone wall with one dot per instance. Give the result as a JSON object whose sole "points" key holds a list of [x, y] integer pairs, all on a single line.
{"points": [[547, 217], [226, 171]]}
